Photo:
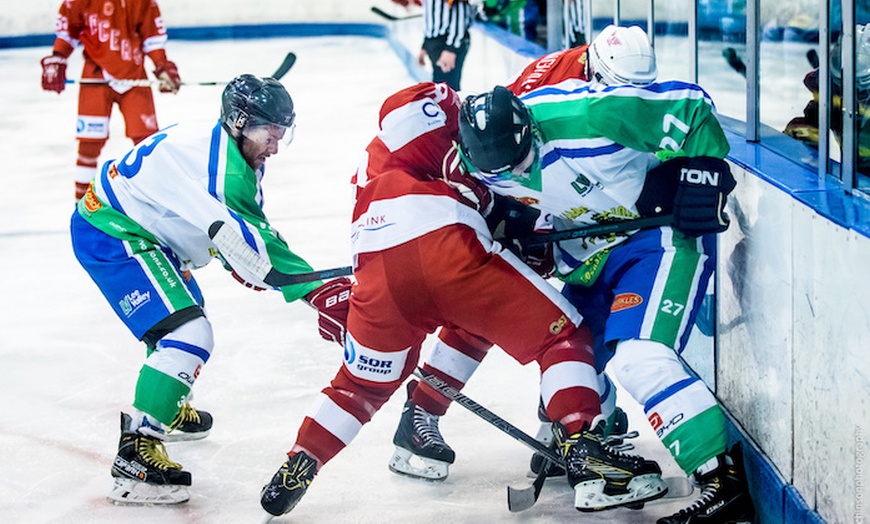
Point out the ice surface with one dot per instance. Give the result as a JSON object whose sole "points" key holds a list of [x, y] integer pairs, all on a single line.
{"points": [[68, 366]]}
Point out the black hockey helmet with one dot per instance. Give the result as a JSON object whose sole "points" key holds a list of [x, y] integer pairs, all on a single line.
{"points": [[249, 100], [495, 130]]}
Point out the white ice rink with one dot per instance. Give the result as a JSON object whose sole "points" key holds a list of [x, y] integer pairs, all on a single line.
{"points": [[68, 365]]}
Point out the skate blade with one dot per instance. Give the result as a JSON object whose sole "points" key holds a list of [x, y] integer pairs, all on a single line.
{"points": [[678, 487], [406, 463], [129, 492], [590, 495], [181, 436]]}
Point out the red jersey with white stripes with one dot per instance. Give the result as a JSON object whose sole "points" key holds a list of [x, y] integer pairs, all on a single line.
{"points": [[551, 69], [116, 35]]}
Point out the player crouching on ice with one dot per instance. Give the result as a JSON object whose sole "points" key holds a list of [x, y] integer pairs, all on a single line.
{"points": [[425, 259], [144, 223]]}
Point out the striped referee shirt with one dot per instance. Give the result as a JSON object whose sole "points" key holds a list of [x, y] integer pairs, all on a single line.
{"points": [[447, 18]]}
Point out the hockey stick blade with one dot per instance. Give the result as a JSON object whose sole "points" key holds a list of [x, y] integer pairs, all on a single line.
{"points": [[678, 487], [521, 499], [233, 247], [736, 63], [380, 12], [597, 230], [285, 66]]}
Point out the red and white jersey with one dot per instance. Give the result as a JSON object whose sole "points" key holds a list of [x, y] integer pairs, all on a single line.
{"points": [[551, 69], [116, 34], [399, 191]]}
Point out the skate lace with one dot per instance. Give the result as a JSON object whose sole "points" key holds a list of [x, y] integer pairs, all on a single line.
{"points": [[618, 442], [185, 413], [709, 490], [426, 425], [616, 447], [153, 451]]}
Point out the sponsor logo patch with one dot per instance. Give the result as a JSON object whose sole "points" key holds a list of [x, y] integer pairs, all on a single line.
{"points": [[625, 301], [133, 301], [92, 203], [557, 326]]}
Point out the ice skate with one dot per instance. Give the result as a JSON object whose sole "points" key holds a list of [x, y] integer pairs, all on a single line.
{"points": [[616, 436], [189, 424], [288, 485], [144, 474], [724, 494], [420, 449], [603, 478]]}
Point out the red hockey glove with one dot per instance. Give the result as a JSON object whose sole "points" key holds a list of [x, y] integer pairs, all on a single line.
{"points": [[167, 73], [472, 192], [54, 73], [332, 303], [245, 283]]}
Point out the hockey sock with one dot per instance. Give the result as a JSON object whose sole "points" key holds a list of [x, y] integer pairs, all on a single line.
{"points": [[689, 423], [454, 359], [569, 382], [171, 369], [680, 408]]}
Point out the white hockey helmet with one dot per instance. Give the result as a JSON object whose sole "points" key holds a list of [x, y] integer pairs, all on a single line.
{"points": [[621, 55], [862, 61]]}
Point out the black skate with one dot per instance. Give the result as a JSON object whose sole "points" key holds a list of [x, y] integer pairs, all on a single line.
{"points": [[724, 494], [189, 424], [144, 474], [603, 478], [617, 435], [288, 485], [420, 449]]}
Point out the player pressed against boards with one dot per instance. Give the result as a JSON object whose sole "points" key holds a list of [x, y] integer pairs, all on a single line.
{"points": [[142, 227], [609, 175]]}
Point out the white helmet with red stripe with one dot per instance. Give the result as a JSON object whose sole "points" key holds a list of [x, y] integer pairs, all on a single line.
{"points": [[621, 55]]}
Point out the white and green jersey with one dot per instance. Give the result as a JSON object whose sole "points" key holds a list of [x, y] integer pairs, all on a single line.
{"points": [[173, 185], [595, 145]]}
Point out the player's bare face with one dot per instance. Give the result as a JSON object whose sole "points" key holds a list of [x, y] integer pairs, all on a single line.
{"points": [[261, 142]]}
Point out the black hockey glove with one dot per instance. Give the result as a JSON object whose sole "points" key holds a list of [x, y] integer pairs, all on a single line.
{"points": [[700, 187], [510, 220]]}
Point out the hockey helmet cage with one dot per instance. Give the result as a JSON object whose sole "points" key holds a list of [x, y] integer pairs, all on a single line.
{"points": [[249, 100], [495, 131], [862, 62], [621, 55]]}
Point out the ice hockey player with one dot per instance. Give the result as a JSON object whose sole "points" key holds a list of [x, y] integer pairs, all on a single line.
{"points": [[561, 149], [116, 36], [618, 55], [143, 224], [422, 254]]}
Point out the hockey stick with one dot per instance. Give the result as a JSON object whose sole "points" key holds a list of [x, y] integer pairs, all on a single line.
{"points": [[282, 70], [380, 12], [233, 246], [285, 66], [736, 63], [597, 230], [520, 499]]}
